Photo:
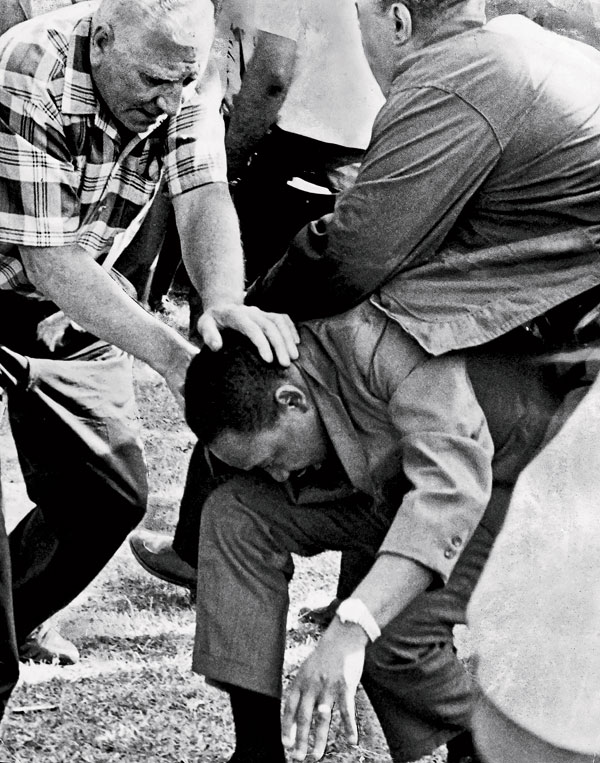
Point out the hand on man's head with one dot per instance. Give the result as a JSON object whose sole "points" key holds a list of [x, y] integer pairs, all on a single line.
{"points": [[270, 332]]}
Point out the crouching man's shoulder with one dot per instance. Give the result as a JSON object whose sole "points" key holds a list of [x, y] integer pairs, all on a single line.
{"points": [[366, 343]]}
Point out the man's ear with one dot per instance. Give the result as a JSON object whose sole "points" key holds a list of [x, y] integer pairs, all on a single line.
{"points": [[290, 396], [402, 22], [101, 40]]}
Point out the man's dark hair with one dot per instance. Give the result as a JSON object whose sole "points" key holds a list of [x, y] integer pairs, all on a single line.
{"points": [[231, 389], [423, 10]]}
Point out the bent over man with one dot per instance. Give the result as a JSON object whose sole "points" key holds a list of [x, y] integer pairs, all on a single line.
{"points": [[97, 102], [366, 443]]}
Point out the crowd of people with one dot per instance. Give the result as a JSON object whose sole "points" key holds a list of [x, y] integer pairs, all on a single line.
{"points": [[388, 212]]}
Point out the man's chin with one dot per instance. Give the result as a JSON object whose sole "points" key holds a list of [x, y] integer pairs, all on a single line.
{"points": [[139, 123]]}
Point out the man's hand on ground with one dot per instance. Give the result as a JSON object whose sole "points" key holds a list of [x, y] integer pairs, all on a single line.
{"points": [[329, 676], [268, 331]]}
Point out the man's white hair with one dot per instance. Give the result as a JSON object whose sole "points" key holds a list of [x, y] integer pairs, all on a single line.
{"points": [[182, 20]]}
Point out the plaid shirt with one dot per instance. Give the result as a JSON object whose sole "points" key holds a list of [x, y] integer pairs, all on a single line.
{"points": [[65, 177]]}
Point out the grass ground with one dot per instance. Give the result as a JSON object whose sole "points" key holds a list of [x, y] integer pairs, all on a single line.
{"points": [[133, 698]]}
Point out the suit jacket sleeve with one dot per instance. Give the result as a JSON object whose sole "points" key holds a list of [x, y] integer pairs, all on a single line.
{"points": [[446, 453]]}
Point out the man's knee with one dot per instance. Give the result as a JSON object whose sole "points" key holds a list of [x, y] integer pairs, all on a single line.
{"points": [[233, 525], [407, 660], [228, 514]]}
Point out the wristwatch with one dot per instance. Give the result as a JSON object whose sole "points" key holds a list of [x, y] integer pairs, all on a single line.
{"points": [[356, 611]]}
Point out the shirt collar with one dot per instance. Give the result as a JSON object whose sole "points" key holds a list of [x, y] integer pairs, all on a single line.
{"points": [[79, 95], [455, 26]]}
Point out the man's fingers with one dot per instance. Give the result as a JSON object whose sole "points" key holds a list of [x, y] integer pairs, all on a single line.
{"points": [[274, 331], [288, 722], [303, 719], [288, 333], [257, 334], [322, 722], [348, 714], [208, 330], [284, 350], [273, 334], [287, 328]]}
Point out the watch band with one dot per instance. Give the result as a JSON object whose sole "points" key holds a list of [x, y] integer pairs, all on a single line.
{"points": [[356, 611]]}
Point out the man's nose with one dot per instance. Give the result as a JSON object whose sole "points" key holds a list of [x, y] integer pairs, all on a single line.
{"points": [[279, 475], [170, 99]]}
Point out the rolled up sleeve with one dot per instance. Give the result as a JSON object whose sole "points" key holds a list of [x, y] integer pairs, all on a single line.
{"points": [[196, 139], [446, 452]]}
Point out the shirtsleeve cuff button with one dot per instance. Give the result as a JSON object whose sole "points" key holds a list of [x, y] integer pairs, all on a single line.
{"points": [[449, 553], [457, 541]]}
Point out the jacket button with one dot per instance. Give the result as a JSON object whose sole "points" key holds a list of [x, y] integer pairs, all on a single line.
{"points": [[457, 541]]}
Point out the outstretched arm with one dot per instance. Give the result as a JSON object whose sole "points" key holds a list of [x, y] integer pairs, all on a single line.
{"points": [[69, 276], [332, 672]]}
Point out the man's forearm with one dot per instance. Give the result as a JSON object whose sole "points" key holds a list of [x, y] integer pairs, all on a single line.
{"points": [[210, 242], [250, 121], [264, 89], [88, 295], [391, 585]]}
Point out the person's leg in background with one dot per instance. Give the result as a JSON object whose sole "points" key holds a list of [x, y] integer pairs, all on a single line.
{"points": [[14, 372], [137, 262], [270, 211], [82, 460], [353, 568], [9, 658], [167, 265]]}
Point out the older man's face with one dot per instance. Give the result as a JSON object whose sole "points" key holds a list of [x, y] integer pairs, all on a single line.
{"points": [[142, 73]]}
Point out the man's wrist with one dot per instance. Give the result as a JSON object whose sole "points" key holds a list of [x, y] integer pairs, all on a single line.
{"points": [[356, 612], [172, 352]]}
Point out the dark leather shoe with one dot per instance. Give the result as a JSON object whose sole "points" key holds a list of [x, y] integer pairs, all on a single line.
{"points": [[45, 645], [461, 749], [155, 552]]}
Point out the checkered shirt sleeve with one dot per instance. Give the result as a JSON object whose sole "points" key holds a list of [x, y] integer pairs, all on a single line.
{"points": [[196, 139]]}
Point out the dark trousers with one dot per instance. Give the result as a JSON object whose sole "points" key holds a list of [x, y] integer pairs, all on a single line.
{"points": [[82, 461], [75, 427], [420, 690], [9, 658], [201, 480]]}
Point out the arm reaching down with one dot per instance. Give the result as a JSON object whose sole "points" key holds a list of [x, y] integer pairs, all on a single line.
{"points": [[69, 276]]}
